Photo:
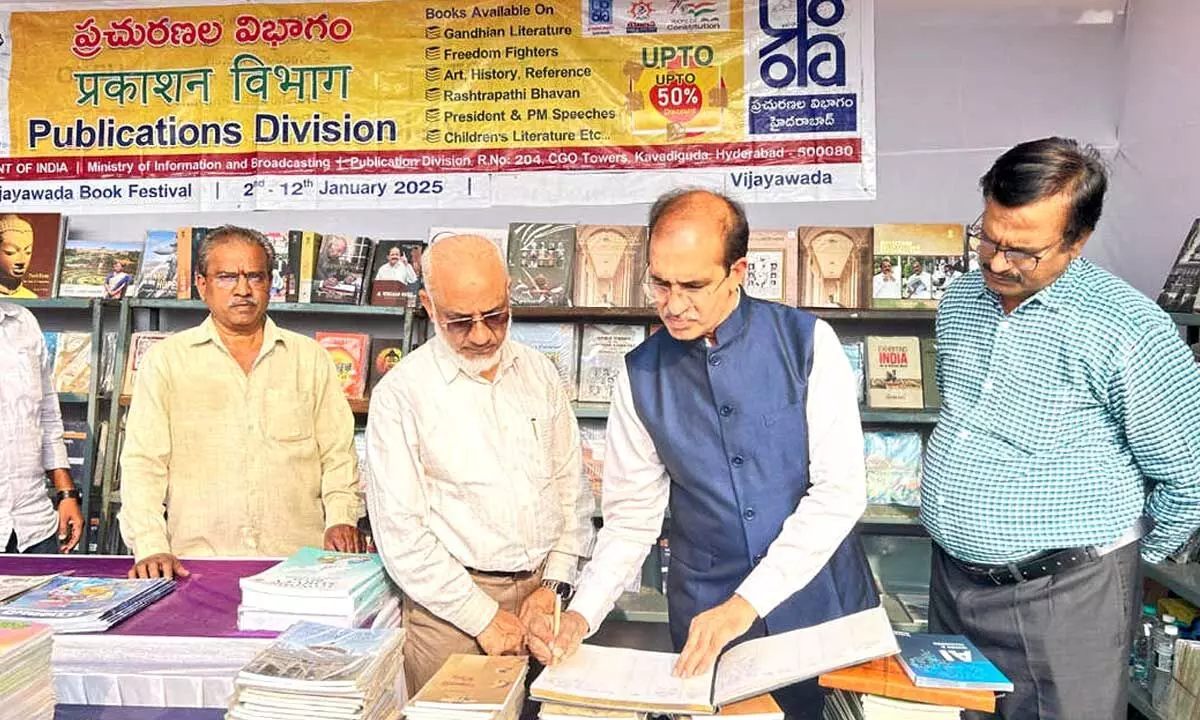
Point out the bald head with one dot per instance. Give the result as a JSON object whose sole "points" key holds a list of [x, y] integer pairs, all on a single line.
{"points": [[711, 213], [465, 269]]}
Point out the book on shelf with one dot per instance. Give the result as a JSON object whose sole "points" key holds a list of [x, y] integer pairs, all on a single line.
{"points": [[498, 236], [853, 347], [610, 264], [139, 344], [29, 254], [771, 266], [306, 246], [591, 447], [158, 277], [285, 275], [894, 373], [350, 353], [385, 354], [541, 261], [470, 687], [1181, 289], [98, 268], [914, 263], [340, 268], [930, 394], [50, 341], [834, 266], [557, 341], [395, 272], [639, 680], [886, 678], [73, 362], [189, 256], [948, 661], [75, 436], [893, 465], [601, 357]]}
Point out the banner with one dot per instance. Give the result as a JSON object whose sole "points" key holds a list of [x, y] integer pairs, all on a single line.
{"points": [[435, 103]]}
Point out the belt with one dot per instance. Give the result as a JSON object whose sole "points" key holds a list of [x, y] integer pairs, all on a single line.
{"points": [[513, 575], [1051, 561]]}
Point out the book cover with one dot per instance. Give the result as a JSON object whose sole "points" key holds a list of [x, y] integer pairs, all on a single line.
{"points": [[50, 340], [894, 373], [385, 353], [158, 277], [602, 356], [349, 352], [339, 271], [541, 260], [314, 572], [557, 341], [68, 596], [139, 344], [73, 362], [14, 585], [853, 347], [478, 682], [591, 445], [498, 236], [183, 263], [197, 238], [771, 266], [933, 399], [284, 274], [1181, 289], [98, 268], [29, 245], [75, 435], [834, 266], [893, 463], [307, 245], [310, 652], [948, 661], [610, 264], [396, 272], [914, 263]]}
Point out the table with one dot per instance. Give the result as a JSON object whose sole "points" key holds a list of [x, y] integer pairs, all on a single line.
{"points": [[202, 607]]}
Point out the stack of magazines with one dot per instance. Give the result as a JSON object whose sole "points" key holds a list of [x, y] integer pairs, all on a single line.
{"points": [[331, 588], [472, 687], [315, 670], [85, 604], [25, 680]]}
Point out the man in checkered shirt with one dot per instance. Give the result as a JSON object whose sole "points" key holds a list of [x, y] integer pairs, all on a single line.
{"points": [[1069, 432]]}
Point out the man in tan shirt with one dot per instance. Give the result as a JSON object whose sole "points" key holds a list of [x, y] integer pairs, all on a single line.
{"points": [[238, 428], [476, 489]]}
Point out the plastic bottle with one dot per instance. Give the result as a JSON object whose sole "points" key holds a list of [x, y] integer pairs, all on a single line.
{"points": [[1140, 652], [1164, 663]]}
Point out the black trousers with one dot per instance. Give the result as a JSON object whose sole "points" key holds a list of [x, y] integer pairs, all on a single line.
{"points": [[49, 546], [1063, 640]]}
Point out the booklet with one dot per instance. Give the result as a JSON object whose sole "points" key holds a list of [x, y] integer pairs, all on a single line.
{"points": [[626, 679], [948, 661]]}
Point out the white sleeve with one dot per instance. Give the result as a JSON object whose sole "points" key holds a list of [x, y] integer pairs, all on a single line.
{"points": [[837, 492]]}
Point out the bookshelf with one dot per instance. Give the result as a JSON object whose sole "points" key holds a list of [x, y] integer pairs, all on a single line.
{"points": [[1140, 700], [1183, 580]]}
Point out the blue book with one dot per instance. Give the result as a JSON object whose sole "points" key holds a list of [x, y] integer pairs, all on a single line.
{"points": [[948, 661], [51, 340]]}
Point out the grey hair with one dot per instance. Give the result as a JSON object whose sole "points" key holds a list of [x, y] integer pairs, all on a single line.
{"points": [[427, 261], [227, 234]]}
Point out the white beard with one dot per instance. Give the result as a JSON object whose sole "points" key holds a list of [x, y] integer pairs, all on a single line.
{"points": [[473, 366]]}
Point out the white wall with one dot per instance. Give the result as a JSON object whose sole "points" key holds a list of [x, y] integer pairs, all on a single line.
{"points": [[956, 86], [1156, 185]]}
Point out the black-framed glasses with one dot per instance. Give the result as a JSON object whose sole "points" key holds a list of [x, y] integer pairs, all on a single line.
{"points": [[461, 327], [986, 249]]}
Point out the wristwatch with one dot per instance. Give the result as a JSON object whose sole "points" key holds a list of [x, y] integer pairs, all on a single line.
{"points": [[559, 588], [60, 495]]}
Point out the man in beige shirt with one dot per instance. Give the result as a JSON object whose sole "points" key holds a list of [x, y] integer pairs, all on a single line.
{"points": [[476, 492], [238, 428]]}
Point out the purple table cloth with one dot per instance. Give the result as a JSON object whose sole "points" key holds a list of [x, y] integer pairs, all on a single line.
{"points": [[204, 604], [114, 712]]}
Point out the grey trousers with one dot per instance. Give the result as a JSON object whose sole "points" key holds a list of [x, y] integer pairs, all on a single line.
{"points": [[1063, 640]]}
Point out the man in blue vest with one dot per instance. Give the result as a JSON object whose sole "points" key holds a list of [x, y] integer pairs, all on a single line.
{"points": [[743, 417]]}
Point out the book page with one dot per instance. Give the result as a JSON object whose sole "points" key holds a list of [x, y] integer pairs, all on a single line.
{"points": [[622, 678], [769, 663]]}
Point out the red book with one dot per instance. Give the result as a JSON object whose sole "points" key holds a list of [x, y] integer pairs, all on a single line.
{"points": [[349, 352]]}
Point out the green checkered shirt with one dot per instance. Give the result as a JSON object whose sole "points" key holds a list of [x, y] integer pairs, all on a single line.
{"points": [[1062, 422]]}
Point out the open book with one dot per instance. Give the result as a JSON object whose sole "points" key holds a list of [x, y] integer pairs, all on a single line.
{"points": [[626, 679]]}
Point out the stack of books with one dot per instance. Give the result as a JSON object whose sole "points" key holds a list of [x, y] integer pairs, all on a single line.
{"points": [[934, 677], [315, 670], [25, 679], [13, 585], [472, 687], [85, 604], [340, 589]]}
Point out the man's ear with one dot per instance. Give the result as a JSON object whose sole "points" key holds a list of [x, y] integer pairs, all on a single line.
{"points": [[201, 284]]}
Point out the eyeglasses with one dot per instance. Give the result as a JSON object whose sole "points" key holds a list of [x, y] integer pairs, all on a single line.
{"points": [[461, 327], [987, 249], [659, 292], [229, 280]]}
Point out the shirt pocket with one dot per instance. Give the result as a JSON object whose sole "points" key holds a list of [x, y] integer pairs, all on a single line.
{"points": [[288, 416]]}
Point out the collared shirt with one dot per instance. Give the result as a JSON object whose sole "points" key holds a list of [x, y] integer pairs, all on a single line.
{"points": [[466, 473], [636, 490], [31, 429], [246, 464], [1057, 417]]}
